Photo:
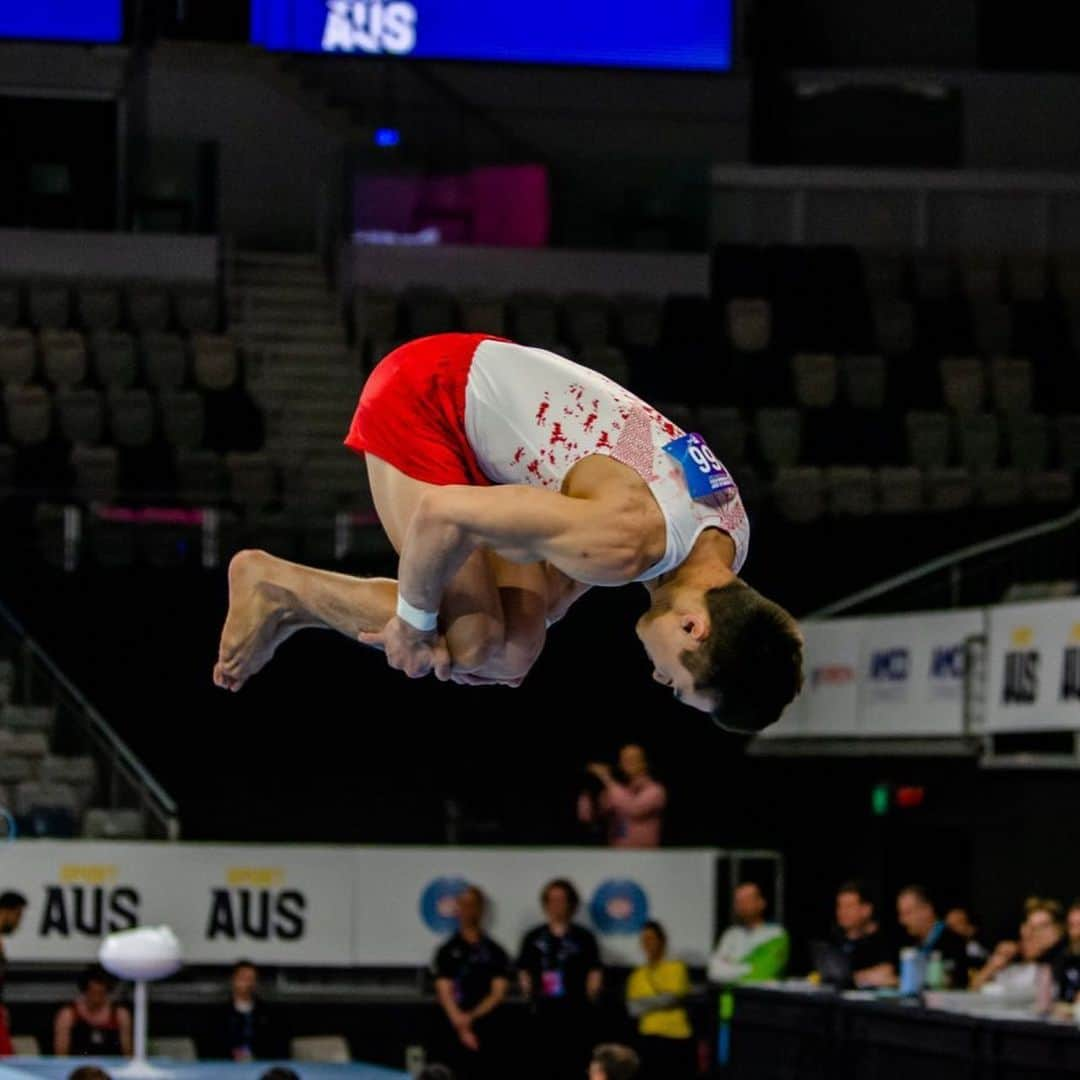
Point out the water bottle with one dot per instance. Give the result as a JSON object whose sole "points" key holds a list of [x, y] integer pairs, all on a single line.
{"points": [[912, 964], [935, 972]]}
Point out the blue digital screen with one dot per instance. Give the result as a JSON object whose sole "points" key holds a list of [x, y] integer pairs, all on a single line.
{"points": [[688, 35], [62, 20]]}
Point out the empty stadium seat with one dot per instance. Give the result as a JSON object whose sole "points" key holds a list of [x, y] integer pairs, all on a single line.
{"points": [[148, 307], [63, 354], [18, 357], [15, 770], [78, 772], [1012, 383], [49, 304], [97, 472], [928, 438], [586, 320], [799, 492], [885, 274], [534, 318], [779, 436], [978, 440], [29, 414], [7, 681], [1027, 436], [483, 315], [5, 798], [375, 315], [80, 416], [948, 489], [115, 362], [200, 477], [252, 479], [933, 277], [183, 418], [815, 377], [748, 324], [427, 311], [10, 304], [1027, 277], [131, 417], [980, 276], [963, 384], [215, 363], [28, 717], [608, 360], [99, 306], [174, 1048], [331, 1049], [999, 487], [851, 490], [33, 745], [103, 824], [725, 431], [639, 321], [1053, 486], [46, 808], [894, 326], [864, 380], [197, 310], [165, 360]]}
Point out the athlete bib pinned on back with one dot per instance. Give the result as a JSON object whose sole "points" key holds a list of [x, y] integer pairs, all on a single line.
{"points": [[705, 475]]}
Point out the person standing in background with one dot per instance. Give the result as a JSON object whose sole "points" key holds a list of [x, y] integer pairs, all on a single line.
{"points": [[654, 996], [247, 1028], [472, 976], [12, 906], [632, 809], [561, 975]]}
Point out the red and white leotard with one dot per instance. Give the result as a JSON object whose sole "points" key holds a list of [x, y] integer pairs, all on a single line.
{"points": [[472, 409]]}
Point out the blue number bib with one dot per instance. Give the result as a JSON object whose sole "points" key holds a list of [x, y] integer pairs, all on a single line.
{"points": [[704, 474]]}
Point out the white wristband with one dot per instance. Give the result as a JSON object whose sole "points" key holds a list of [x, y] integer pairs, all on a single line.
{"points": [[424, 621]]}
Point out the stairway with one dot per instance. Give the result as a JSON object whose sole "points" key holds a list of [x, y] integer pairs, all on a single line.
{"points": [[285, 313]]}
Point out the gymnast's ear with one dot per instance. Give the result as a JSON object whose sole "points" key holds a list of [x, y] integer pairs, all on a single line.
{"points": [[695, 625]]}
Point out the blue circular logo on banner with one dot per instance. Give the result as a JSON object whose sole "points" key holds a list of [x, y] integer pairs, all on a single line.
{"points": [[619, 907], [438, 904]]}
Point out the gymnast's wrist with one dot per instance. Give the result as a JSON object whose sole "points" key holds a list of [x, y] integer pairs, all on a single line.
{"points": [[419, 619]]}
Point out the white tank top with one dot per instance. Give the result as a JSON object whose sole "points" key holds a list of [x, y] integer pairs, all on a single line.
{"points": [[530, 416]]}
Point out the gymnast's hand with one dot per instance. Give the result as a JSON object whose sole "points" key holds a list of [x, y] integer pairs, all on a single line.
{"points": [[415, 652]]}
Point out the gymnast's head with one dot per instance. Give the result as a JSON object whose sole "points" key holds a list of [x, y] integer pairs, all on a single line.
{"points": [[725, 650]]}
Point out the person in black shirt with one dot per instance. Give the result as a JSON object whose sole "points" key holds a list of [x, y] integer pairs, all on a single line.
{"points": [[472, 976], [561, 974], [929, 934], [858, 953], [12, 906], [248, 1033], [1067, 964]]}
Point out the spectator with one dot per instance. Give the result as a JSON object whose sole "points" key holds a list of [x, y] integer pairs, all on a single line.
{"points": [[12, 906], [654, 996], [959, 921], [1023, 968], [752, 950], [858, 953], [929, 934], [247, 1031], [89, 1072], [613, 1062], [472, 976], [633, 810], [1067, 967], [93, 1025], [560, 971]]}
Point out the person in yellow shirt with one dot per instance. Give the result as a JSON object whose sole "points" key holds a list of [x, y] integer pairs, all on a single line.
{"points": [[654, 995]]}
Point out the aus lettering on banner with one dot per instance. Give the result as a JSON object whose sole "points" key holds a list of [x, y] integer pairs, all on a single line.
{"points": [[253, 906], [88, 901], [370, 26]]}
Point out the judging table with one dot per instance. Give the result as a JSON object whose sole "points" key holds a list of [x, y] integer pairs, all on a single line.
{"points": [[785, 1033]]}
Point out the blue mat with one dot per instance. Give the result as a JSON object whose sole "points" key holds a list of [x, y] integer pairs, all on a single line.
{"points": [[16, 1068]]}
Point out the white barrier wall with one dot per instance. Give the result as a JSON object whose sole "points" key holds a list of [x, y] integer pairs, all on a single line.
{"points": [[896, 675], [341, 906], [1034, 667]]}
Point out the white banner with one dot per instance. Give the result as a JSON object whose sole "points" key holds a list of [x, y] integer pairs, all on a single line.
{"points": [[911, 673], [1034, 667], [341, 906]]}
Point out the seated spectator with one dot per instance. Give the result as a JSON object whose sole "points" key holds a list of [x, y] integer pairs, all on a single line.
{"points": [[247, 1031], [472, 977], [959, 921], [89, 1072], [929, 934], [632, 807], [858, 953], [752, 950], [561, 975], [12, 906], [613, 1062], [654, 996], [1067, 965], [1022, 968], [93, 1025]]}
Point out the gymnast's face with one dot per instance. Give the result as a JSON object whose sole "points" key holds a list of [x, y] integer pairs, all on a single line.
{"points": [[674, 624]]}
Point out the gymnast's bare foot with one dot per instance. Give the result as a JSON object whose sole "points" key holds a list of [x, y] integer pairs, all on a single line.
{"points": [[258, 620]]}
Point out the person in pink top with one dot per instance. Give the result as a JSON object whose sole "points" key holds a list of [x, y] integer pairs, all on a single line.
{"points": [[634, 809]]}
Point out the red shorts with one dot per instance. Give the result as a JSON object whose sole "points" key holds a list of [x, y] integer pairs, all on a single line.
{"points": [[411, 412]]}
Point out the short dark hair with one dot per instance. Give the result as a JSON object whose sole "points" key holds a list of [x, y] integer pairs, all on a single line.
{"points": [[657, 929], [478, 893], [89, 1072], [572, 895], [95, 973], [751, 661], [859, 889], [241, 964], [618, 1062], [280, 1072], [920, 892], [10, 900], [435, 1072]]}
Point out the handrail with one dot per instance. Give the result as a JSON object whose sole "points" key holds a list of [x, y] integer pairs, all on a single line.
{"points": [[945, 562], [123, 754]]}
